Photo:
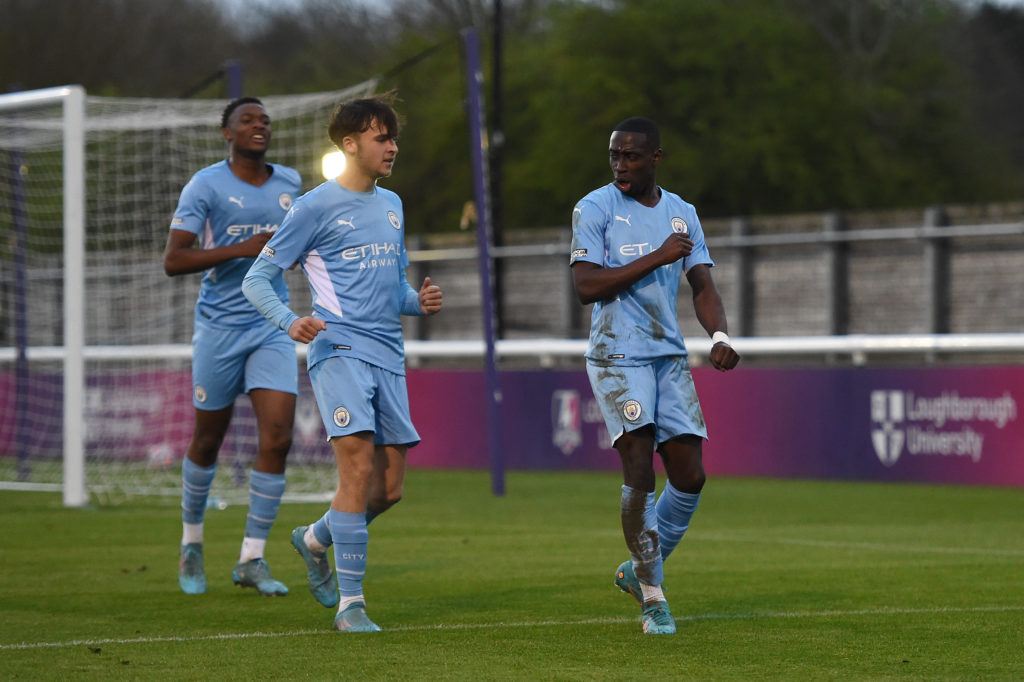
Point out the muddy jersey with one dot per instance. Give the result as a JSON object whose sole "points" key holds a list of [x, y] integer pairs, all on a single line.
{"points": [[611, 230]]}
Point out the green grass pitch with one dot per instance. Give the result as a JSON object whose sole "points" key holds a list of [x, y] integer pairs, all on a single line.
{"points": [[776, 580]]}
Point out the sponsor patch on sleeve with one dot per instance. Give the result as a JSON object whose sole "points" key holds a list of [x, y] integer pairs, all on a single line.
{"points": [[177, 221], [578, 253], [268, 252]]}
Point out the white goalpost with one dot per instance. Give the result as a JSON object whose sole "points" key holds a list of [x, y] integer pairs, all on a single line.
{"points": [[71, 103], [94, 337]]}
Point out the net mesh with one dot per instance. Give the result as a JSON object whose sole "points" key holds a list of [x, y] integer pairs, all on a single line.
{"points": [[139, 153]]}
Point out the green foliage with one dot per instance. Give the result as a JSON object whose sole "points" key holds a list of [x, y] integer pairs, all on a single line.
{"points": [[433, 174], [760, 112], [766, 106], [781, 580]]}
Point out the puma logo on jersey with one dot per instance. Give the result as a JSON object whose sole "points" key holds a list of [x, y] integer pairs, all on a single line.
{"points": [[624, 220], [347, 222], [236, 200]]}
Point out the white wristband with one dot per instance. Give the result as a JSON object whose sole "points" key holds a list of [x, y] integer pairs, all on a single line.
{"points": [[720, 337]]}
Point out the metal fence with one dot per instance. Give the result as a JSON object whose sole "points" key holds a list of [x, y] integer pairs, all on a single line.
{"points": [[955, 271]]}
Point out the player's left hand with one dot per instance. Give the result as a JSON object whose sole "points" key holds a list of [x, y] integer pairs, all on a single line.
{"points": [[430, 297], [724, 357]]}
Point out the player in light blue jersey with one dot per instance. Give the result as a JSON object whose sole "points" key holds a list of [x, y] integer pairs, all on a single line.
{"points": [[231, 208], [349, 236], [631, 243]]}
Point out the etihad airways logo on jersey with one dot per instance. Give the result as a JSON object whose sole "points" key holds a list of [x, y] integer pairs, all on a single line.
{"points": [[250, 230], [630, 250], [373, 255]]}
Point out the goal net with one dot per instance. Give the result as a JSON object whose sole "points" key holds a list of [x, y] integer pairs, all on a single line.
{"points": [[95, 352]]}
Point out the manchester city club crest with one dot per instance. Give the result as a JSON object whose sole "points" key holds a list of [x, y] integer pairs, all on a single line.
{"points": [[342, 417], [679, 226], [285, 201], [200, 394], [393, 219], [631, 410]]}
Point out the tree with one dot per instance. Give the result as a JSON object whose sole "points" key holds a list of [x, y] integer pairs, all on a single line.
{"points": [[766, 106], [761, 110], [112, 46]]}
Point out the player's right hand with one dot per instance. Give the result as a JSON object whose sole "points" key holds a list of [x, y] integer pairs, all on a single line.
{"points": [[724, 357], [254, 244], [675, 246], [305, 329]]}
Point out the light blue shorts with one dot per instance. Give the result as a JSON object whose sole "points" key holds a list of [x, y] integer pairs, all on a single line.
{"points": [[660, 393], [226, 362], [355, 396]]}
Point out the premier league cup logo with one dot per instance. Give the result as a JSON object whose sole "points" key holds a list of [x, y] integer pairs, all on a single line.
{"points": [[566, 421]]}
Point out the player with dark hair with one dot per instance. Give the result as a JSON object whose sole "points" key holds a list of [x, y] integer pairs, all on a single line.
{"points": [[233, 207], [225, 117], [349, 236], [631, 243]]}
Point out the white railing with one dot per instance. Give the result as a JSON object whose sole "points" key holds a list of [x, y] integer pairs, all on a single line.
{"points": [[859, 347]]}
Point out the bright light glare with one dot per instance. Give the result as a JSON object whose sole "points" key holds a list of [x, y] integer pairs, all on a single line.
{"points": [[332, 164]]}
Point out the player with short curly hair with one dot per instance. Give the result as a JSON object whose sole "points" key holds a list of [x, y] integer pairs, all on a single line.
{"points": [[231, 208]]}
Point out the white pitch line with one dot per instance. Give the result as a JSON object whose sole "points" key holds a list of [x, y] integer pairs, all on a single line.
{"points": [[525, 624], [876, 546]]}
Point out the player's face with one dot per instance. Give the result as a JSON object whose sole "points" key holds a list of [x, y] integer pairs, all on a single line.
{"points": [[374, 152], [633, 163], [248, 130]]}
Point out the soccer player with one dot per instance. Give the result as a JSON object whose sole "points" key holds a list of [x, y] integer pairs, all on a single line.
{"points": [[233, 207], [349, 236], [631, 243]]}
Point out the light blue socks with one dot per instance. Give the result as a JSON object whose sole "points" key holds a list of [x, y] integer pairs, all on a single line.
{"points": [[348, 531], [265, 491], [322, 528], [640, 528], [674, 511], [195, 489]]}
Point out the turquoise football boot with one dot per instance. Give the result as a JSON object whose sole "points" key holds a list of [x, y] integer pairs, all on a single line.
{"points": [[626, 581], [354, 619], [191, 577], [658, 620], [322, 581], [256, 573]]}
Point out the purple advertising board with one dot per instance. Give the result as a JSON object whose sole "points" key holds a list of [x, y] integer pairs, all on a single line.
{"points": [[948, 425], [941, 424]]}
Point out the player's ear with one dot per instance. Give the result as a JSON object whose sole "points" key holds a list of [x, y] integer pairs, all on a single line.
{"points": [[349, 144], [657, 155], [226, 132]]}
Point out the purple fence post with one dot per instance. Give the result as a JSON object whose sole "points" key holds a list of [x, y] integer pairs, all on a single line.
{"points": [[477, 144]]}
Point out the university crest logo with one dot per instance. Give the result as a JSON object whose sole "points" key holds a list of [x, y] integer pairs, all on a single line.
{"points": [[888, 411]]}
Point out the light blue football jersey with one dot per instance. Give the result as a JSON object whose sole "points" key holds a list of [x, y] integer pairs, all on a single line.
{"points": [[611, 230], [351, 246], [221, 209]]}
